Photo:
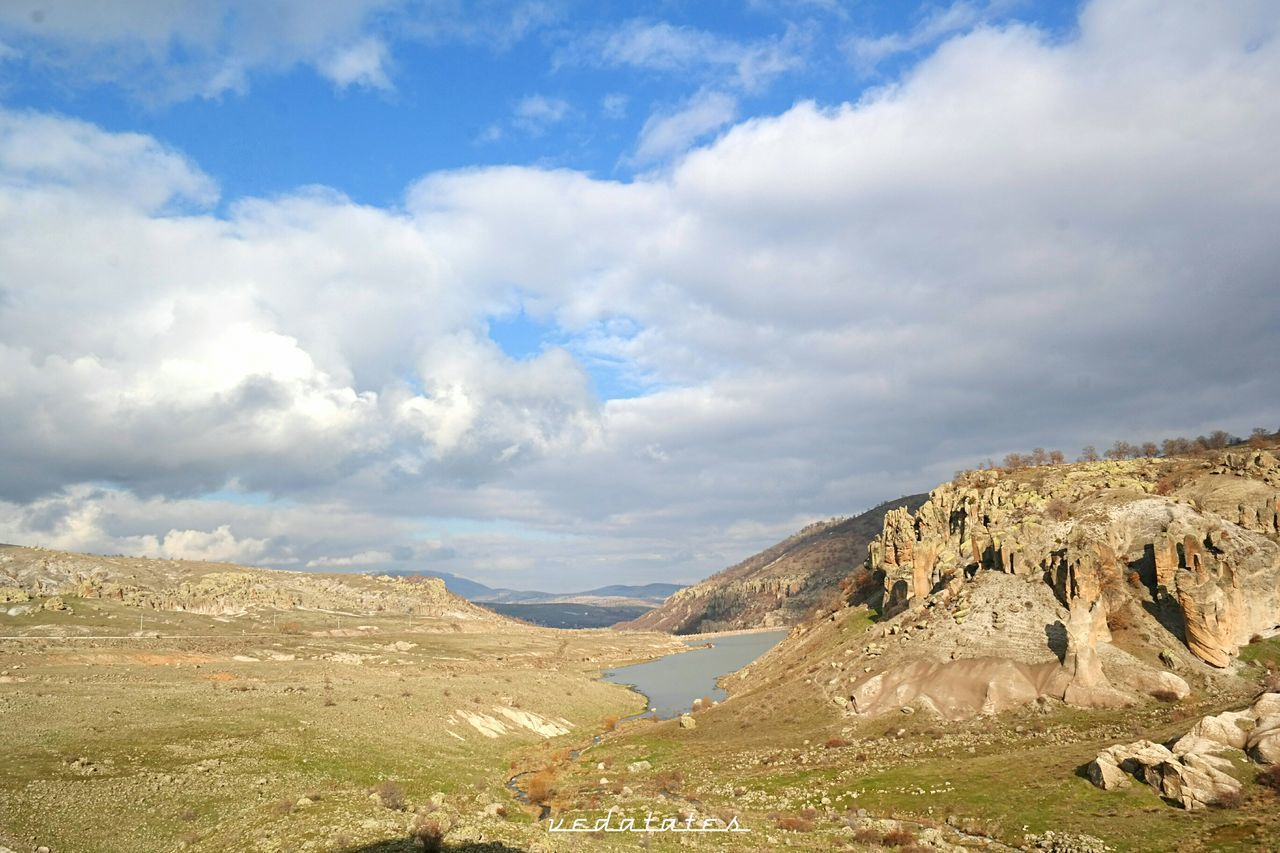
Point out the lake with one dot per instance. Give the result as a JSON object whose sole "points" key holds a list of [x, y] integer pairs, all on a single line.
{"points": [[672, 683]]}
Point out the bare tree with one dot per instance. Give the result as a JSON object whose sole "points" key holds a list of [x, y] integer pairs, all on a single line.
{"points": [[1039, 457], [1056, 457], [1122, 450], [1089, 454], [1149, 449], [1219, 439]]}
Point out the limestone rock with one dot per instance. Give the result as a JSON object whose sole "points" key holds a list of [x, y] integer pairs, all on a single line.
{"points": [[1263, 744], [1265, 705], [1222, 730], [1194, 781], [688, 722]]}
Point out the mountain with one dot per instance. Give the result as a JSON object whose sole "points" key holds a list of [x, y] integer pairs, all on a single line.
{"points": [[615, 595], [780, 585]]}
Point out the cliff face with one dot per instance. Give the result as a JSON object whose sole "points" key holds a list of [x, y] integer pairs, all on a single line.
{"points": [[1099, 585], [779, 586], [1204, 556], [219, 588]]}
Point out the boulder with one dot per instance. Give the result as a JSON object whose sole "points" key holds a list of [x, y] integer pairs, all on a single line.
{"points": [[1106, 774], [1222, 730], [1193, 782], [688, 722], [1263, 744], [1160, 684], [1266, 705]]}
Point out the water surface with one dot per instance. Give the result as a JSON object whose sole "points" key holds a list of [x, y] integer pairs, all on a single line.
{"points": [[672, 683]]}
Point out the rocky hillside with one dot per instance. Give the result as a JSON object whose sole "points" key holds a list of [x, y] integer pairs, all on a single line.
{"points": [[779, 586], [1098, 584], [34, 577]]}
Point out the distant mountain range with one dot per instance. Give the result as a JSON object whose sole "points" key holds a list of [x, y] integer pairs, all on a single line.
{"points": [[615, 595]]}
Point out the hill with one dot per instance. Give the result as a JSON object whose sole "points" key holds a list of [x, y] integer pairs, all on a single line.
{"points": [[217, 589], [1044, 658], [780, 585]]}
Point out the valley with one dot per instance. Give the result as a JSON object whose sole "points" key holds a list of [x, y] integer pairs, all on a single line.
{"points": [[981, 679]]}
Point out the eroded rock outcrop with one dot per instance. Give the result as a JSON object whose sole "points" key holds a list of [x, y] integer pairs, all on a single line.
{"points": [[1195, 771], [1104, 532]]}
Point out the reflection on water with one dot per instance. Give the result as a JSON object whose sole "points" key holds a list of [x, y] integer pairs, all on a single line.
{"points": [[673, 683]]}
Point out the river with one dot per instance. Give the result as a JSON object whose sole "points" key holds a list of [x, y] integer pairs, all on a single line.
{"points": [[672, 683]]}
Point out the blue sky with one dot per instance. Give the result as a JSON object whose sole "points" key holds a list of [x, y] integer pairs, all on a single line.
{"points": [[556, 294], [453, 101]]}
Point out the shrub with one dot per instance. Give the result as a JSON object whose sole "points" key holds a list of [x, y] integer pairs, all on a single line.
{"points": [[899, 838], [836, 742], [610, 723], [795, 823], [1270, 778], [429, 834], [669, 781], [1120, 619], [282, 807], [390, 794], [542, 787], [1057, 510]]}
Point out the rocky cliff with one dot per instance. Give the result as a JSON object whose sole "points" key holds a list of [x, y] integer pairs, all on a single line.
{"points": [[1096, 584], [779, 586]]}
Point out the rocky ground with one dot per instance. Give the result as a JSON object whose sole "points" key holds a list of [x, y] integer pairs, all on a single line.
{"points": [[255, 728], [1064, 658], [1023, 625]]}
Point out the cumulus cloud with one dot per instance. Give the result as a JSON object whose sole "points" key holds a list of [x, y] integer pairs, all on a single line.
{"points": [[1022, 242]]}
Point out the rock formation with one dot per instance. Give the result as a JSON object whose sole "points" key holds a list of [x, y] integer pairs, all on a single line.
{"points": [[1195, 770], [1100, 531]]}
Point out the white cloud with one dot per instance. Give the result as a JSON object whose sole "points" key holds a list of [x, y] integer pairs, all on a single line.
{"points": [[614, 105], [1023, 242], [360, 64], [669, 133], [535, 113], [129, 168], [664, 47], [939, 23], [166, 52]]}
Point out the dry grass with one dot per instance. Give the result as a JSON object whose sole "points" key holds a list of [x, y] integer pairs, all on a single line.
{"points": [[795, 823]]}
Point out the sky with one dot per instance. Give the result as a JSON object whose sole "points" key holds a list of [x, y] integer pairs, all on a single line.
{"points": [[554, 294]]}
